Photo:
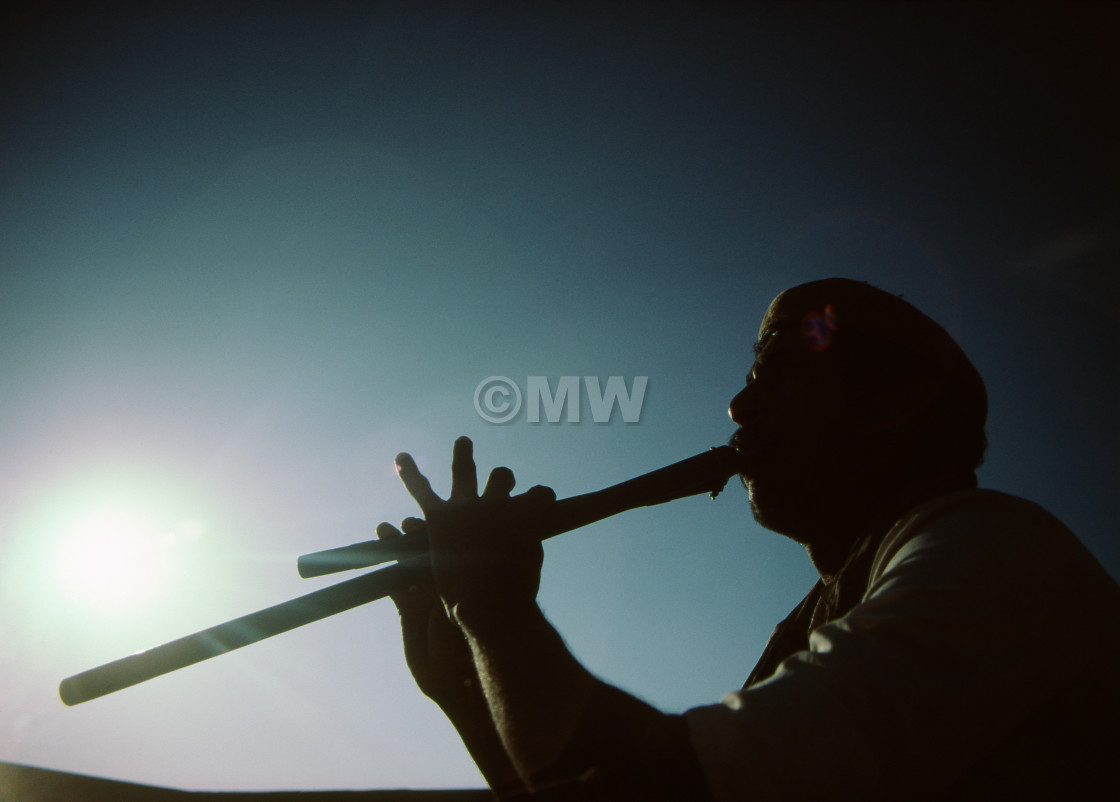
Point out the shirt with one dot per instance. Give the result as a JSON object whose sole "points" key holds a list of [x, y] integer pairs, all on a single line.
{"points": [[980, 662]]}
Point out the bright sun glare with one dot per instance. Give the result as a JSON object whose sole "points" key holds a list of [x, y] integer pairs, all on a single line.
{"points": [[119, 555]]}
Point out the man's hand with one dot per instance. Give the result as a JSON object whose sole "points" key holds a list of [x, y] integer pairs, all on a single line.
{"points": [[486, 551], [486, 555], [441, 662], [435, 649]]}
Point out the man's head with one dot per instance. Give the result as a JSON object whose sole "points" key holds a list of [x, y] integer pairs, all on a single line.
{"points": [[854, 394]]}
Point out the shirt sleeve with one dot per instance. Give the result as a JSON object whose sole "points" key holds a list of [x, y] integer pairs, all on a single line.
{"points": [[974, 608]]}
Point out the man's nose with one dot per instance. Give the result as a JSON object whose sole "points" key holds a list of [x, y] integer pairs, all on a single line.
{"points": [[737, 409]]}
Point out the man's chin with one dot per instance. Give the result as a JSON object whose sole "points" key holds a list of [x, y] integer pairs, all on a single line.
{"points": [[771, 508], [758, 499]]}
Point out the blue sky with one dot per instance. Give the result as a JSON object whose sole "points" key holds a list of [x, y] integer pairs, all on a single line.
{"points": [[248, 254]]}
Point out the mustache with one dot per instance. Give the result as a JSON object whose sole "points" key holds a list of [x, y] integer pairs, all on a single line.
{"points": [[752, 449]]}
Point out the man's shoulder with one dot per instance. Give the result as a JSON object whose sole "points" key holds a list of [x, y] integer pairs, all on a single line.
{"points": [[971, 517], [989, 536], [974, 508]]}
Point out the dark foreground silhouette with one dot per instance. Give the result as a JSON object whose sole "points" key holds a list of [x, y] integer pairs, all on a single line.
{"points": [[28, 784]]}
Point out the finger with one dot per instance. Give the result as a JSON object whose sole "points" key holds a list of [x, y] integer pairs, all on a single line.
{"points": [[464, 476], [540, 494], [416, 483], [537, 497], [499, 484], [386, 531], [418, 599], [410, 525]]}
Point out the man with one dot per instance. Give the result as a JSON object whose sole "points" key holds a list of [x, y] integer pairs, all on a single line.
{"points": [[960, 644]]}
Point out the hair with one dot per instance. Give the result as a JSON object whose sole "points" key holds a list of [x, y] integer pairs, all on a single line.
{"points": [[910, 382], [940, 410]]}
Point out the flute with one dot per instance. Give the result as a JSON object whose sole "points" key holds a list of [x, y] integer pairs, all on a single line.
{"points": [[707, 472]]}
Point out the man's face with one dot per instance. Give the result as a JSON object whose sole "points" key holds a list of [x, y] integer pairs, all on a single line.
{"points": [[795, 431]]}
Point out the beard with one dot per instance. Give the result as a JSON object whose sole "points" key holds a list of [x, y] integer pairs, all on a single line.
{"points": [[801, 499], [776, 508]]}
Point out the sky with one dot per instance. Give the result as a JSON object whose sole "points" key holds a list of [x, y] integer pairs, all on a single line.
{"points": [[250, 252]]}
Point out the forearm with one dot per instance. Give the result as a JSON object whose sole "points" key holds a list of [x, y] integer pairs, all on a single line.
{"points": [[535, 688], [560, 725], [470, 714]]}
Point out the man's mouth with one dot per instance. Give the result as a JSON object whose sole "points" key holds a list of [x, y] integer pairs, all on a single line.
{"points": [[749, 448], [740, 441]]}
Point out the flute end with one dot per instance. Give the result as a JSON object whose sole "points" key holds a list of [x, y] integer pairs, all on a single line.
{"points": [[71, 693], [732, 463]]}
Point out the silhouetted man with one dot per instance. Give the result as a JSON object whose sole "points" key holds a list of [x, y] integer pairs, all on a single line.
{"points": [[960, 644]]}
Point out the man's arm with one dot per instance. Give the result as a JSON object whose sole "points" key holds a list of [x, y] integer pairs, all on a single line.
{"points": [[536, 690], [441, 662], [562, 726], [557, 722]]}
